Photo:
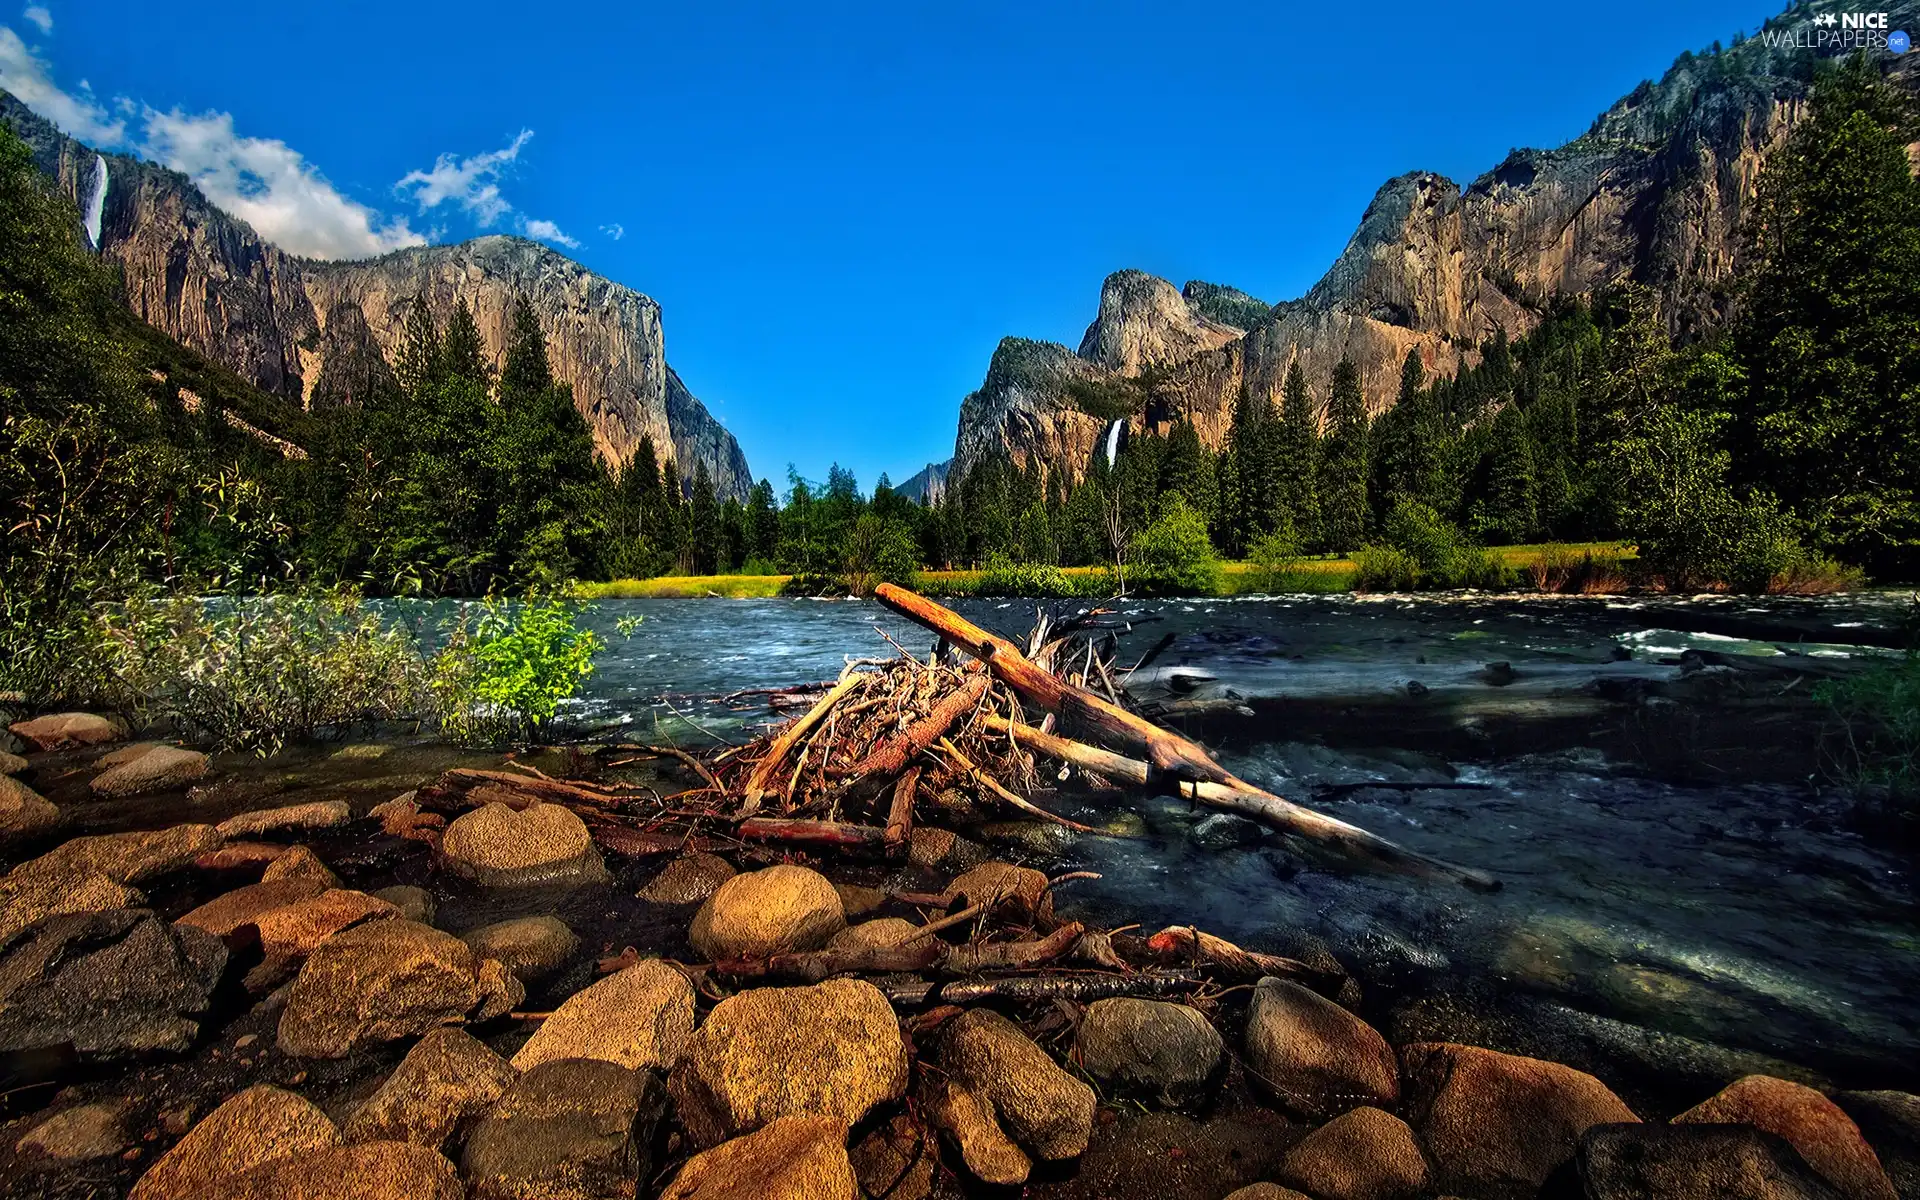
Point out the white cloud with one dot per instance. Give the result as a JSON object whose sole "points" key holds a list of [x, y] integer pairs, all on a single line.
{"points": [[471, 182], [28, 77], [616, 230], [269, 185], [41, 17], [547, 231]]}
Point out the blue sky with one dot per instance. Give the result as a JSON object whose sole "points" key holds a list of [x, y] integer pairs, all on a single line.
{"points": [[841, 208]]}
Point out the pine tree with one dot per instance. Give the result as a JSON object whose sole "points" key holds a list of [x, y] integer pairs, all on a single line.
{"points": [[1287, 489], [763, 523], [463, 354], [1508, 512], [419, 367], [1343, 475], [704, 523], [1187, 468], [527, 374]]}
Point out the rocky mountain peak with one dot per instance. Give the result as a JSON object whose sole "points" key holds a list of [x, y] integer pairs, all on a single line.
{"points": [[1144, 322]]}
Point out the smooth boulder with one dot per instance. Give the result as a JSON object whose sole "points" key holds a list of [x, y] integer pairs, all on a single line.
{"points": [[571, 1129], [260, 1125], [1691, 1162], [833, 1049], [1315, 1057], [375, 983], [497, 846], [1497, 1125], [1004, 1101], [793, 1158], [67, 731], [319, 814], [1170, 1049], [155, 769], [638, 1017], [1815, 1126], [761, 913], [93, 874], [531, 947], [23, 811], [110, 984], [446, 1080], [1362, 1154], [689, 879]]}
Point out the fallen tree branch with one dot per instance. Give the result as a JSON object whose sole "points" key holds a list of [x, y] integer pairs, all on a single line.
{"points": [[993, 785], [891, 756], [768, 768], [1044, 987], [674, 752], [840, 834], [1205, 947], [900, 814]]}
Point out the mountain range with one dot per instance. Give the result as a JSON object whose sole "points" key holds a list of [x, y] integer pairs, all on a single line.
{"points": [[318, 333], [1655, 192]]}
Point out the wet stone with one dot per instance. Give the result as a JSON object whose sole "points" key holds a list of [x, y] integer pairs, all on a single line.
{"points": [[414, 903], [1317, 1059], [689, 879], [496, 846], [23, 811], [571, 1129], [1170, 1049], [531, 947], [12, 764], [446, 1080], [1004, 1101], [1688, 1162], [299, 862], [1224, 831], [154, 769], [638, 1017], [1364, 1154], [1890, 1122], [1814, 1125], [67, 731], [320, 814]]}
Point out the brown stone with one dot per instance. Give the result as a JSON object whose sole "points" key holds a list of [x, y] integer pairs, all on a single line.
{"points": [[447, 1079], [571, 1129], [883, 931], [78, 1134], [793, 1158], [1004, 885], [374, 983], [760, 913], [23, 811], [156, 769], [639, 1017], [387, 1170], [93, 874], [300, 862], [1004, 1101], [255, 1127], [1363, 1154], [1169, 1048], [1315, 1057], [225, 914], [67, 731], [530, 947], [689, 879], [496, 846], [1812, 1124], [1499, 1124], [320, 814]]}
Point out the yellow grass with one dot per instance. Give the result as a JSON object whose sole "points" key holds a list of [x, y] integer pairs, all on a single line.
{"points": [[681, 587]]}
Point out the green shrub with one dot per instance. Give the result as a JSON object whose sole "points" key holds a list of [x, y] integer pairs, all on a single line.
{"points": [[878, 551], [1274, 559], [1385, 569], [1877, 712], [505, 674], [256, 673], [1443, 557], [1004, 577], [813, 584], [1173, 556]]}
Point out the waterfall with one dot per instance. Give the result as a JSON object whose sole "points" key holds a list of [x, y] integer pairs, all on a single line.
{"points": [[97, 203], [1112, 439]]}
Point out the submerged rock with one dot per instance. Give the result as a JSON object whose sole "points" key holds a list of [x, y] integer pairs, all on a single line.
{"points": [[496, 846], [1363, 1154], [258, 1126], [109, 984], [793, 1158], [67, 731], [571, 1129], [1224, 831], [639, 1017], [773, 911], [1691, 1162], [1169, 1048], [320, 814], [1004, 1101], [153, 769], [1318, 1059], [833, 1049], [531, 947], [688, 879], [384, 980], [1498, 1124], [447, 1079], [1814, 1125]]}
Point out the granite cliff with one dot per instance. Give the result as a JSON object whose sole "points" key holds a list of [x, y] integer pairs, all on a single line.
{"points": [[1654, 192], [320, 333]]}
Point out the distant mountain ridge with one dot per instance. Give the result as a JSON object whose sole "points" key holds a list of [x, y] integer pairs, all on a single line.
{"points": [[317, 332], [1655, 191]]}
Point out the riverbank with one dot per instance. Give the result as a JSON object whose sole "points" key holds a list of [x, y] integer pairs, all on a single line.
{"points": [[1305, 575]]}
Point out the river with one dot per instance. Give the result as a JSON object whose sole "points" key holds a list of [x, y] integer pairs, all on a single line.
{"points": [[1667, 903]]}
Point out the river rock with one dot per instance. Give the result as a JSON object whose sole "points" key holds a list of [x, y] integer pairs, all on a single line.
{"points": [[289, 935], [571, 1129], [1002, 1099], [688, 879], [12, 764], [1169, 1048], [1318, 1059], [1891, 1123], [1690, 1162], [319, 814], [1362, 1154], [495, 846], [154, 769], [1498, 1124], [414, 903], [1814, 1125], [23, 811], [258, 1126], [857, 900], [896, 1160], [79, 1134], [110, 984], [388, 1170], [446, 1080], [375, 983], [883, 931], [300, 862], [793, 1158], [1003, 886], [638, 1017], [531, 947], [833, 1049], [774, 911], [1267, 1191], [93, 874], [67, 731], [226, 914]]}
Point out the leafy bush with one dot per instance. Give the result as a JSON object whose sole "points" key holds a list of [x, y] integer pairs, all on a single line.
{"points": [[1173, 557], [813, 583], [1877, 712], [1385, 569], [1442, 556], [1558, 568], [505, 674], [1274, 558], [256, 673], [878, 551], [1004, 577]]}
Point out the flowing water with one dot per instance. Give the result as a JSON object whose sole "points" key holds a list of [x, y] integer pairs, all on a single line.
{"points": [[1649, 908]]}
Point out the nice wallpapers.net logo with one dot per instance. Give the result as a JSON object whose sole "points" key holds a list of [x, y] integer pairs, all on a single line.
{"points": [[1841, 32]]}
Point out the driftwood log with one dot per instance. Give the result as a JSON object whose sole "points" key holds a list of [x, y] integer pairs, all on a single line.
{"points": [[1167, 755]]}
